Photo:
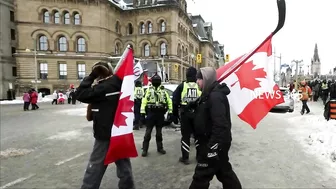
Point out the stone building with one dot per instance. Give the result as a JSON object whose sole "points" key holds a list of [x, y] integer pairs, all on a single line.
{"points": [[315, 64], [8, 41], [71, 35]]}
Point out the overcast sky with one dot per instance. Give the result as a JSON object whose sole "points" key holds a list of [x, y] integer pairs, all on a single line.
{"points": [[243, 24]]}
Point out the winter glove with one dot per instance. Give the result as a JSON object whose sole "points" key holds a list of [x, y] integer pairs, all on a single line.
{"points": [[213, 153]]}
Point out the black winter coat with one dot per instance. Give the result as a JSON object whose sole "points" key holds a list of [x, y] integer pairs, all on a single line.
{"points": [[103, 98], [213, 119]]}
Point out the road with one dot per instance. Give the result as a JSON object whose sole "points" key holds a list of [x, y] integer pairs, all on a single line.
{"points": [[53, 145]]}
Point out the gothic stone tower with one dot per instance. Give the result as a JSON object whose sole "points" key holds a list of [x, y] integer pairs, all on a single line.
{"points": [[315, 64]]}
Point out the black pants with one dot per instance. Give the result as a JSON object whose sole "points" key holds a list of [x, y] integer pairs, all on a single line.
{"points": [[206, 170], [137, 115], [96, 169], [69, 100], [73, 99], [54, 101], [315, 97], [35, 107], [305, 107], [187, 122], [324, 96], [153, 120], [26, 106]]}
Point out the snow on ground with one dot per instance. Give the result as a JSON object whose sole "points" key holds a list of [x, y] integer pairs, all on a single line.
{"points": [[19, 100], [12, 152], [313, 132]]}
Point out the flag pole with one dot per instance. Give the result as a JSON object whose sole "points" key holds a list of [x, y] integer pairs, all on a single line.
{"points": [[122, 58]]}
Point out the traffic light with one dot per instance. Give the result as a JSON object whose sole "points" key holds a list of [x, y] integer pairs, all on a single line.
{"points": [[199, 58], [227, 58]]}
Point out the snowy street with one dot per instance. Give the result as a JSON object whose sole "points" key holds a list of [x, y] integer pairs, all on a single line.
{"points": [[50, 147]]}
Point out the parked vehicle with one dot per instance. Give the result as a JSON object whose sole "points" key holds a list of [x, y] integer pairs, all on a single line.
{"points": [[288, 105]]}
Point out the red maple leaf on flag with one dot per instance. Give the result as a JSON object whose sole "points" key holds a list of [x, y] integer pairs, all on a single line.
{"points": [[125, 106], [247, 76]]}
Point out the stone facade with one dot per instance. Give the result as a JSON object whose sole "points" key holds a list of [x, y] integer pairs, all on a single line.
{"points": [[71, 35], [8, 39]]}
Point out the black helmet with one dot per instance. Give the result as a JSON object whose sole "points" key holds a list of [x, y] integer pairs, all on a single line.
{"points": [[156, 80]]}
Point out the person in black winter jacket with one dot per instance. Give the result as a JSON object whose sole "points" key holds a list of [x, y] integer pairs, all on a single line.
{"points": [[103, 99], [213, 131]]}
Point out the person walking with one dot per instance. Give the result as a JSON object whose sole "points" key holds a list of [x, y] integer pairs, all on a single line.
{"points": [[55, 98], [306, 93], [33, 99], [103, 109], [185, 93], [26, 101], [213, 130]]}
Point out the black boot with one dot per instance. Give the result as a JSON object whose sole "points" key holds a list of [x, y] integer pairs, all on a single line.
{"points": [[160, 148], [184, 161], [145, 146]]}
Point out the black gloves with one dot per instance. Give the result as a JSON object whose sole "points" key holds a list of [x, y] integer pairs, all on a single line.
{"points": [[94, 74]]}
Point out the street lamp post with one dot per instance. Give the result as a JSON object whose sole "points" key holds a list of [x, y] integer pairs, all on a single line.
{"points": [[35, 62], [296, 71]]}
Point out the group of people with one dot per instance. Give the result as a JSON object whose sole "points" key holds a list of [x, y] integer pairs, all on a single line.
{"points": [[30, 98], [59, 97], [200, 103], [313, 90]]}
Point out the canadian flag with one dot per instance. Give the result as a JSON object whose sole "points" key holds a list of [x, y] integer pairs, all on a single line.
{"points": [[253, 90], [145, 78], [122, 141]]}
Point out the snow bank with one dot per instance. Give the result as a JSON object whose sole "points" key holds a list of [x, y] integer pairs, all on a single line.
{"points": [[317, 135], [12, 152], [19, 100]]}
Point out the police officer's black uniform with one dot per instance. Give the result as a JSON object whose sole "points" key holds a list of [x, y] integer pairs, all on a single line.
{"points": [[186, 116], [213, 131]]}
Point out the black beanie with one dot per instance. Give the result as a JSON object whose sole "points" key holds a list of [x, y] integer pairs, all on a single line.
{"points": [[191, 72], [199, 75]]}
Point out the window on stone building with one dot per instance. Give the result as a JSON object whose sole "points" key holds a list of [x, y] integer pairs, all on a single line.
{"points": [[162, 26], [13, 51], [81, 70], [77, 20], [81, 44], [62, 67], [66, 18], [43, 43], [179, 53], [150, 27], [116, 50], [142, 28], [13, 34], [46, 17], [117, 27], [129, 29], [43, 70], [146, 50], [14, 71], [163, 49], [62, 44], [12, 18], [56, 17]]}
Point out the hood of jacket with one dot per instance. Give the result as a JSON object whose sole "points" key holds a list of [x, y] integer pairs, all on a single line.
{"points": [[209, 77]]}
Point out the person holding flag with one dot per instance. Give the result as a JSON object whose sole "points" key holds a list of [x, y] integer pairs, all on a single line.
{"points": [[103, 99]]}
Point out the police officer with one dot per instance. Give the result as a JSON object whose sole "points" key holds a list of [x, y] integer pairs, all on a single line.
{"points": [[213, 130], [138, 95], [325, 91], [185, 93], [157, 102]]}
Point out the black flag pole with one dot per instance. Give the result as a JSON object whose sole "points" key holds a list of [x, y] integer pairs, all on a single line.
{"points": [[281, 22]]}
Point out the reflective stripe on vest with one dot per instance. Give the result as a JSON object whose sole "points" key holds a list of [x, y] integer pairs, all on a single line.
{"points": [[189, 93], [139, 93], [156, 96], [324, 86]]}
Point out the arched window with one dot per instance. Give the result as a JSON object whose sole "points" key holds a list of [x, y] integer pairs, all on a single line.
{"points": [[163, 49], [43, 43], [179, 53], [146, 50], [77, 20], [56, 17], [46, 17], [162, 26], [62, 44], [117, 27], [142, 28], [81, 44], [150, 27], [66, 18], [129, 29], [116, 51]]}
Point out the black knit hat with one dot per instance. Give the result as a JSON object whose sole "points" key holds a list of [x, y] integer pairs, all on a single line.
{"points": [[199, 75]]}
